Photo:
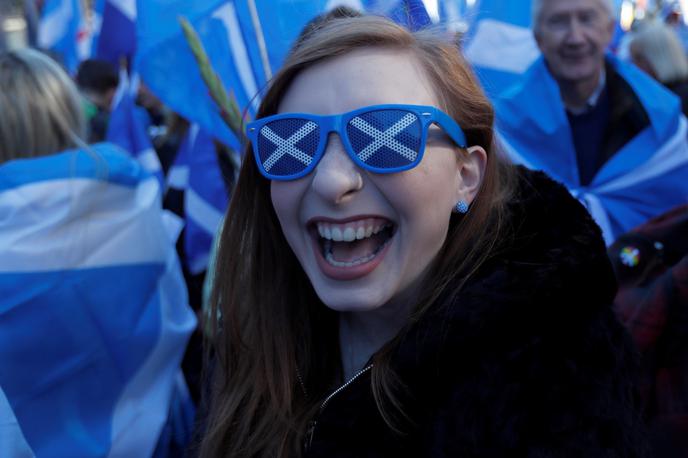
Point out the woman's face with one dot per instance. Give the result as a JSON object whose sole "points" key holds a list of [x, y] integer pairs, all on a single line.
{"points": [[398, 221]]}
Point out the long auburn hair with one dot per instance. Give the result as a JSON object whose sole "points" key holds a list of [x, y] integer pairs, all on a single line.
{"points": [[276, 350]]}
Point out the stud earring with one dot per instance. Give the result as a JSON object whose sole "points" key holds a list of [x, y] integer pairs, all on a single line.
{"points": [[461, 207]]}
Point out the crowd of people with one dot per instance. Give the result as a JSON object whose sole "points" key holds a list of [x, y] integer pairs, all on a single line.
{"points": [[405, 268]]}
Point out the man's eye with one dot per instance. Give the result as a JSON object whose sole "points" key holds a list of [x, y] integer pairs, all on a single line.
{"points": [[587, 18], [557, 21]]}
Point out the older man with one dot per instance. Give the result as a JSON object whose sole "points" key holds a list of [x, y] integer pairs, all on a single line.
{"points": [[611, 134]]}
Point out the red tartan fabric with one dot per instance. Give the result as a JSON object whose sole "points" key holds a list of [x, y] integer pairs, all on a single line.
{"points": [[651, 263]]}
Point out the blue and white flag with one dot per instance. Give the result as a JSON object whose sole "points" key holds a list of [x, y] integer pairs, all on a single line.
{"points": [[63, 31], [500, 45], [197, 172], [115, 37], [94, 317], [128, 127], [646, 177], [246, 45]]}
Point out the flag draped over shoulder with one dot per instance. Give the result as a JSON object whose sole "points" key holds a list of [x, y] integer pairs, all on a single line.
{"points": [[500, 44], [93, 309], [645, 178]]}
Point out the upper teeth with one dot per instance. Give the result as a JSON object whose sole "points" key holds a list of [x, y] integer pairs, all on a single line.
{"points": [[349, 232]]}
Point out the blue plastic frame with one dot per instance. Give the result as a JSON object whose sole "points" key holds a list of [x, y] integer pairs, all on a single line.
{"points": [[337, 123]]}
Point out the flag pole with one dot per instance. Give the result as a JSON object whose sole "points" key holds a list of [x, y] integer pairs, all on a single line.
{"points": [[260, 37]]}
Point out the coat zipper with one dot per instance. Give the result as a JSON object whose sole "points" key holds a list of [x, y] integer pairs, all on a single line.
{"points": [[308, 439]]}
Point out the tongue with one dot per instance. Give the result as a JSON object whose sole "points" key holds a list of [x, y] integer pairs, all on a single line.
{"points": [[358, 249]]}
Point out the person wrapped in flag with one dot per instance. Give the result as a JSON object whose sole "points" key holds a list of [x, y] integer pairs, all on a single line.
{"points": [[612, 135], [94, 317], [387, 285]]}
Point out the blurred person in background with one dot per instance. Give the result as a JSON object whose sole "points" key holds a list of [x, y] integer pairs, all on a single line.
{"points": [[656, 49], [651, 266], [94, 316], [97, 81], [611, 134]]}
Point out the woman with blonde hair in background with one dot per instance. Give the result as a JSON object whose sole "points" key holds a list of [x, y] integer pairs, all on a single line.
{"points": [[93, 312], [656, 49], [388, 286]]}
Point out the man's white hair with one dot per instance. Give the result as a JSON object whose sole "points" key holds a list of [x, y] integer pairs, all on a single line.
{"points": [[536, 9]]}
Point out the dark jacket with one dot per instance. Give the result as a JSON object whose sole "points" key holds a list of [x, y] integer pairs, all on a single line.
{"points": [[527, 361], [651, 263]]}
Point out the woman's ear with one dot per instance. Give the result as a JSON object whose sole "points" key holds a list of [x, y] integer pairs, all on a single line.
{"points": [[470, 173]]}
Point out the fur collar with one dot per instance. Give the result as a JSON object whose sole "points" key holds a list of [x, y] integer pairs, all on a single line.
{"points": [[553, 270]]}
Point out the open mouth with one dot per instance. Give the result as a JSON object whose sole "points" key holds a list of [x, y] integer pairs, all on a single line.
{"points": [[352, 244]]}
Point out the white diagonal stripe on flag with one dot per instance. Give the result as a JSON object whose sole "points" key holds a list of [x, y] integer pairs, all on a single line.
{"points": [[386, 138], [286, 146]]}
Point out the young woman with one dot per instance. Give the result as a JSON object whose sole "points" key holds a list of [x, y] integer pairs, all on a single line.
{"points": [[388, 286]]}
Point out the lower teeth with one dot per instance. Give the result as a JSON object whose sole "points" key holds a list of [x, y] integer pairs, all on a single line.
{"points": [[330, 258]]}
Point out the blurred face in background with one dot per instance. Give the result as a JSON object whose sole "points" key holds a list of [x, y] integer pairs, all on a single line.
{"points": [[573, 36]]}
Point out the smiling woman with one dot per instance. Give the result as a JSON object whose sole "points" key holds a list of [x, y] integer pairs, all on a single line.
{"points": [[389, 286]]}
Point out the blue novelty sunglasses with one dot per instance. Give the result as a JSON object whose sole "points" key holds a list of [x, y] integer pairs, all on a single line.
{"points": [[378, 138]]}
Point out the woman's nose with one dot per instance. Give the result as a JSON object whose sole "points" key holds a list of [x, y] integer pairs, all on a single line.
{"points": [[336, 178]]}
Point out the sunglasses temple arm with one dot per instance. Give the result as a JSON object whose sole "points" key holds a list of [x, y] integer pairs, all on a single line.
{"points": [[451, 128]]}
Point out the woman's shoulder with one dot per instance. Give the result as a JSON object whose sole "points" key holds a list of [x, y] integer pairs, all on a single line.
{"points": [[101, 162], [552, 260]]}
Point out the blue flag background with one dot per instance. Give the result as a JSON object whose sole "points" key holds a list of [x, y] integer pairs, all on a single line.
{"points": [[89, 266]]}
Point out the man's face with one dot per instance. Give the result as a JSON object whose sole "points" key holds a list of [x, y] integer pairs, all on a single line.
{"points": [[573, 36]]}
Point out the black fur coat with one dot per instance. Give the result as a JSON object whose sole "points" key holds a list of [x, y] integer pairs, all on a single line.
{"points": [[528, 361]]}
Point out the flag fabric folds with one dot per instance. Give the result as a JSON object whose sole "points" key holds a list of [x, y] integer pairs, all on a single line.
{"points": [[196, 172], [246, 43], [500, 44], [645, 178], [62, 30], [12, 441], [116, 34], [94, 317], [166, 64], [128, 128]]}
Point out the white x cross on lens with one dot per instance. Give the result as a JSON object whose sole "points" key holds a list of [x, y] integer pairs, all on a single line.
{"points": [[287, 146], [386, 138]]}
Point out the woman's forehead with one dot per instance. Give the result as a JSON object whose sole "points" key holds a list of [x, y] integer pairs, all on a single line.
{"points": [[367, 76]]}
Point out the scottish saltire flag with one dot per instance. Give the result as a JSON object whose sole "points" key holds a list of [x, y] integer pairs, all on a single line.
{"points": [[245, 45], [93, 308], [115, 37], [128, 127], [196, 171], [647, 177], [62, 30], [500, 44]]}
